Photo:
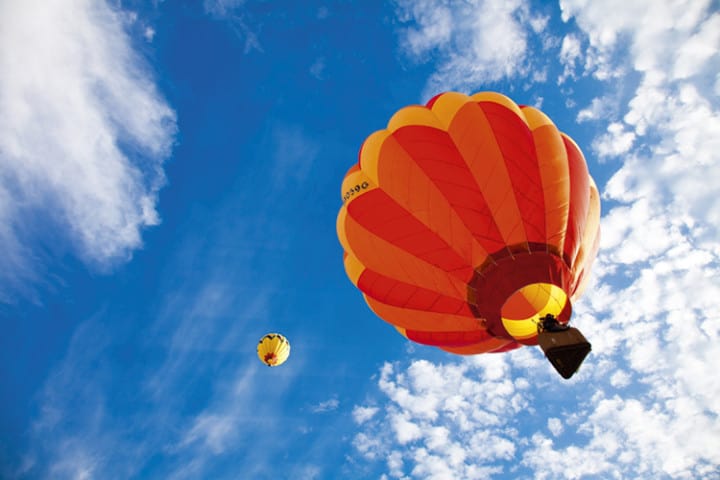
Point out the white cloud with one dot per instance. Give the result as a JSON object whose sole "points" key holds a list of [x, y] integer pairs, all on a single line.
{"points": [[213, 431], [620, 379], [645, 403], [231, 11], [670, 131], [405, 430], [600, 108], [238, 413], [667, 229], [317, 68], [669, 134], [569, 54], [326, 406], [363, 414], [80, 433], [472, 406], [610, 25], [149, 34], [395, 465], [472, 42], [617, 141], [546, 461], [624, 242], [369, 446], [555, 425], [483, 425], [75, 463], [75, 434], [694, 53], [83, 135]]}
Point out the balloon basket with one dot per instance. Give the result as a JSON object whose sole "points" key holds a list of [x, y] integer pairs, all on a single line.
{"points": [[565, 349]]}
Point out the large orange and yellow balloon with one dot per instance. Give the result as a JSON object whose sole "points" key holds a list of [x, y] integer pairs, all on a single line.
{"points": [[468, 219]]}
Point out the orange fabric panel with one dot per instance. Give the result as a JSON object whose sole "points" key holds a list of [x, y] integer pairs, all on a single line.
{"points": [[381, 256], [579, 200], [447, 105], [352, 169], [516, 144], [553, 163], [422, 319], [590, 243], [475, 140]]}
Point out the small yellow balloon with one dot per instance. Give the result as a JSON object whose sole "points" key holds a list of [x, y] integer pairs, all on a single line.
{"points": [[273, 349]]}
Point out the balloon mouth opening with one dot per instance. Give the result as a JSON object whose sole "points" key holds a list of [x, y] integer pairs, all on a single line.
{"points": [[523, 309], [270, 359]]}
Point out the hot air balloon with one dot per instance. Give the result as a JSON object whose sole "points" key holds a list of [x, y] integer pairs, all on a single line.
{"points": [[273, 349], [470, 224]]}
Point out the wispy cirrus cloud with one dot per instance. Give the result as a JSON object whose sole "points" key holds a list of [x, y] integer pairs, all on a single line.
{"points": [[84, 133], [233, 12], [326, 406], [181, 392], [294, 154], [195, 345], [76, 435]]}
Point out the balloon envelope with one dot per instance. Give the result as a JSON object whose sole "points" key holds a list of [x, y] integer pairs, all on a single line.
{"points": [[273, 349], [468, 219]]}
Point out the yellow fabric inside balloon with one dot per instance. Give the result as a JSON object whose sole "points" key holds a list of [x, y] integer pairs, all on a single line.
{"points": [[523, 309]]}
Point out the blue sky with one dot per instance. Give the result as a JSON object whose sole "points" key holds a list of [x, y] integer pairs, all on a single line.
{"points": [[170, 180]]}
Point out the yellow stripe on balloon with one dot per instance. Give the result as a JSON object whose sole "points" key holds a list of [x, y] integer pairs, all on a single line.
{"points": [[414, 115]]}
